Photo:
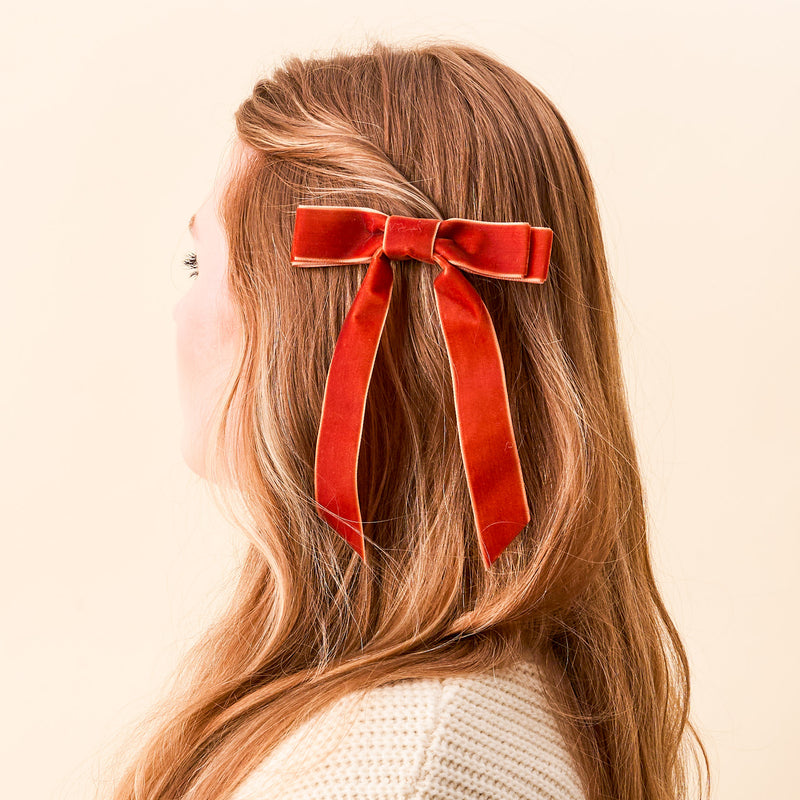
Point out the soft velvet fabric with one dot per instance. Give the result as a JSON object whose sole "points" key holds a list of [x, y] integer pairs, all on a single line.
{"points": [[341, 235]]}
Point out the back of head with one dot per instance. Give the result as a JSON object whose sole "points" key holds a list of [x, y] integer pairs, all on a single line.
{"points": [[438, 130]]}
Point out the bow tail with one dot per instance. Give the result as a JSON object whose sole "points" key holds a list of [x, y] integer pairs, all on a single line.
{"points": [[488, 447], [342, 419]]}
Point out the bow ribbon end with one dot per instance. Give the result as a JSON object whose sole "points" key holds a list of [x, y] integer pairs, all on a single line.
{"points": [[496, 539]]}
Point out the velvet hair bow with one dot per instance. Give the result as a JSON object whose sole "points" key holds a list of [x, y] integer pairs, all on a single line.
{"points": [[334, 235]]}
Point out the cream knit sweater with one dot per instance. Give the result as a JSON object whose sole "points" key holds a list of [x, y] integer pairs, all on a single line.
{"points": [[488, 736]]}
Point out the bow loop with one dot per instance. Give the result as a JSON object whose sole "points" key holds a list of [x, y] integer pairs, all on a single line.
{"points": [[494, 249], [330, 235]]}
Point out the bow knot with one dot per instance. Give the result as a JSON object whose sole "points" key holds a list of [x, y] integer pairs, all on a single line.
{"points": [[410, 237], [332, 235]]}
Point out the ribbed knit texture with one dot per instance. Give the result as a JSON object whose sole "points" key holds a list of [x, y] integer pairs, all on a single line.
{"points": [[488, 736]]}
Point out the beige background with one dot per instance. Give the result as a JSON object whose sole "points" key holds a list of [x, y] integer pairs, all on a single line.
{"points": [[113, 123]]}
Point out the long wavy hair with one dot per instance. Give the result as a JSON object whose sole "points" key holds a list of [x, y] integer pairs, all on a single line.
{"points": [[434, 129]]}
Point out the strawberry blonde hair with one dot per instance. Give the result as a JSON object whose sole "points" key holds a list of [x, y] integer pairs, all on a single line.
{"points": [[435, 129]]}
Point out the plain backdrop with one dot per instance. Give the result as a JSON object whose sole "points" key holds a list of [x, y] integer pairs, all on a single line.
{"points": [[114, 119]]}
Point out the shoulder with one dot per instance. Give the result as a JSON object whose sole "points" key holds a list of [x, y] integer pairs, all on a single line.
{"points": [[495, 737], [488, 735]]}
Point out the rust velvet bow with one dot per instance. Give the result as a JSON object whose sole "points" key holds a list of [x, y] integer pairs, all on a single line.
{"points": [[334, 235]]}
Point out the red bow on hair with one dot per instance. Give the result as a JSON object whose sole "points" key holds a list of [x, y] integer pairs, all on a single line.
{"points": [[332, 235]]}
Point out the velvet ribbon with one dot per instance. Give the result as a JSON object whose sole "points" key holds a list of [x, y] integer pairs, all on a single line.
{"points": [[336, 235]]}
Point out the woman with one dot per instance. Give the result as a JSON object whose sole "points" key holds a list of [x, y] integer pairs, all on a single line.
{"points": [[423, 666]]}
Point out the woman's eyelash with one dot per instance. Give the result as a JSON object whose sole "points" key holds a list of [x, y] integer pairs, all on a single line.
{"points": [[190, 262]]}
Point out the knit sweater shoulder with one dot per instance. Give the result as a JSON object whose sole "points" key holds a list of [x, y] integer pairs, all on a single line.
{"points": [[490, 736]]}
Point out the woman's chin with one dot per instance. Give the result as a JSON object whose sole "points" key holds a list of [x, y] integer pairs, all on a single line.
{"points": [[191, 453]]}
